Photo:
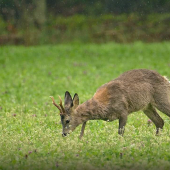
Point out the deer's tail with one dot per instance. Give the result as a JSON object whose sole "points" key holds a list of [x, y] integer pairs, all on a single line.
{"points": [[166, 78]]}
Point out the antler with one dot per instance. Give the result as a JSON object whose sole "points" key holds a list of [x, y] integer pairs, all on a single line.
{"points": [[61, 109], [61, 105]]}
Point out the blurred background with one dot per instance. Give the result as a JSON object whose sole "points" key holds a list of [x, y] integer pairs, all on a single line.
{"points": [[37, 22]]}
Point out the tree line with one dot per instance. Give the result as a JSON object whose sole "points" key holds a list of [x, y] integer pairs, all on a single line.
{"points": [[19, 8], [31, 20]]}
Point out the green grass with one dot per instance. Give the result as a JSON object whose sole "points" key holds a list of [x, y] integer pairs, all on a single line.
{"points": [[30, 129]]}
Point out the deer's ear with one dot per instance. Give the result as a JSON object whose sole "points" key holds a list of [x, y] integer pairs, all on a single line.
{"points": [[75, 100], [68, 102]]}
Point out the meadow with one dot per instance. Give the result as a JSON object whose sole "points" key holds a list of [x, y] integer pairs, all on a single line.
{"points": [[30, 128]]}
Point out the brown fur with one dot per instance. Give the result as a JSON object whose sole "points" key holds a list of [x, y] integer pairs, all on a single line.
{"points": [[102, 95], [132, 91]]}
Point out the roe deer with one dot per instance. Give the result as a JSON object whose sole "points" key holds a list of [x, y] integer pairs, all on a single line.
{"points": [[132, 91]]}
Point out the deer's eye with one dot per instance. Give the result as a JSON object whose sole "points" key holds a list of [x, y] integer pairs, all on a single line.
{"points": [[67, 121]]}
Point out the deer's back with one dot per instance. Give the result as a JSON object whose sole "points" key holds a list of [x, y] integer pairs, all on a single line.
{"points": [[142, 75]]}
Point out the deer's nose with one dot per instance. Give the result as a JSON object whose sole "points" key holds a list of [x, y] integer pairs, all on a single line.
{"points": [[64, 134]]}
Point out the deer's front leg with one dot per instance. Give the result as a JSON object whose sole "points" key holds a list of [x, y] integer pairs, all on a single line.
{"points": [[122, 123], [82, 130]]}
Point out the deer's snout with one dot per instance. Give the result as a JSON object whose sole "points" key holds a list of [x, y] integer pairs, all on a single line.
{"points": [[64, 134]]}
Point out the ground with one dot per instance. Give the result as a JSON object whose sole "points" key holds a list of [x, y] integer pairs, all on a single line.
{"points": [[30, 128]]}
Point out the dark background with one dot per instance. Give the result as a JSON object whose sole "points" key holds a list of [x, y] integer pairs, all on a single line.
{"points": [[35, 22]]}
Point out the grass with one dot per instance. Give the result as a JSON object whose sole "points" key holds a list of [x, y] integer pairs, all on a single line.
{"points": [[30, 129]]}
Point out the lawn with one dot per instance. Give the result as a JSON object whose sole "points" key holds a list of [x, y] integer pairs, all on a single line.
{"points": [[30, 128]]}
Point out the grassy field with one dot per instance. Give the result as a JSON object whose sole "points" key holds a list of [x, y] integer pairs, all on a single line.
{"points": [[30, 129]]}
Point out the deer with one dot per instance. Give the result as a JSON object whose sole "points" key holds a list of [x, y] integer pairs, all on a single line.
{"points": [[135, 90]]}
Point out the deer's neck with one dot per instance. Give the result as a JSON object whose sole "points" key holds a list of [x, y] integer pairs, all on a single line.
{"points": [[90, 110]]}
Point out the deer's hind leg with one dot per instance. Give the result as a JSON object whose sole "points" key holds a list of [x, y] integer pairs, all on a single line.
{"points": [[162, 99], [154, 116], [163, 106]]}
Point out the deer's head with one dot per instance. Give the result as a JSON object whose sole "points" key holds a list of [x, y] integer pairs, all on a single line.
{"points": [[68, 116]]}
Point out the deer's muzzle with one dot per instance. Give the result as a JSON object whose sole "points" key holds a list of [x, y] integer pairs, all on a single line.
{"points": [[64, 134]]}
